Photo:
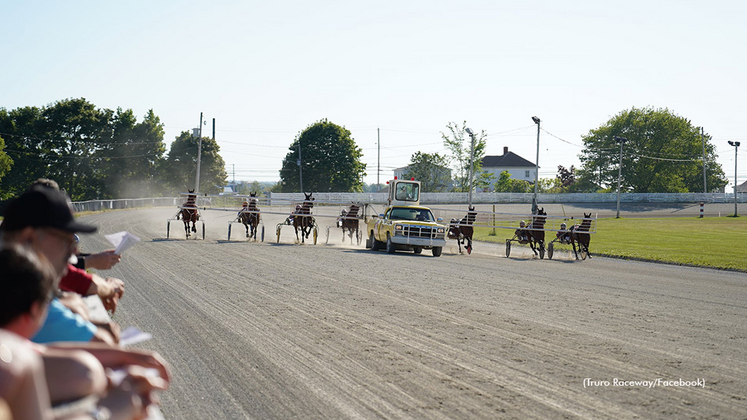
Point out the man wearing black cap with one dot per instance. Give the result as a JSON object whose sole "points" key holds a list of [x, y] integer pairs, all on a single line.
{"points": [[42, 219]]}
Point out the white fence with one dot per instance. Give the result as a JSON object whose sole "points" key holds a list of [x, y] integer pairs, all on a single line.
{"points": [[520, 198], [425, 198]]}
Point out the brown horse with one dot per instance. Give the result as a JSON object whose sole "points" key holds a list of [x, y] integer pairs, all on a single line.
{"points": [[302, 219], [536, 232], [249, 216], [462, 230], [580, 235], [349, 221], [189, 213]]}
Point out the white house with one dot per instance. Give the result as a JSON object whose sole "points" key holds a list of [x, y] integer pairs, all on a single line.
{"points": [[517, 166]]}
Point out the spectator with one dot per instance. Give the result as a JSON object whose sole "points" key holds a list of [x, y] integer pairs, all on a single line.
{"points": [[30, 386], [25, 291], [42, 219]]}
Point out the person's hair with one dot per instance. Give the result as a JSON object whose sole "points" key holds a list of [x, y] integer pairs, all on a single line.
{"points": [[47, 183], [24, 279]]}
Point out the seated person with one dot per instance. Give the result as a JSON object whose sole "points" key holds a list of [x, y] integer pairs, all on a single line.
{"points": [[293, 214], [244, 207], [563, 235], [521, 233]]}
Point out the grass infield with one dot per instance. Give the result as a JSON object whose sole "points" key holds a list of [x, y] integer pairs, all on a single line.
{"points": [[716, 242]]}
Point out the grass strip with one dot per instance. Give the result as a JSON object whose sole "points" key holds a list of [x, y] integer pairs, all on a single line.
{"points": [[715, 242]]}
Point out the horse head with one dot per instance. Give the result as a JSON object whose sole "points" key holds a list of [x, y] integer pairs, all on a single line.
{"points": [[539, 219], [471, 214], [308, 202]]}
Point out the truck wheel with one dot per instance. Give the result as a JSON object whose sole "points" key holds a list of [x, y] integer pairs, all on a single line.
{"points": [[390, 247], [437, 251], [417, 250], [374, 242]]}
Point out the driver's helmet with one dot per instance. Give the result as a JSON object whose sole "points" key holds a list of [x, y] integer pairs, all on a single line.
{"points": [[298, 207], [522, 223], [563, 226]]}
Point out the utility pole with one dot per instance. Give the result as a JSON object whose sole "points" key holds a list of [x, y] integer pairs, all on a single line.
{"points": [[471, 158], [537, 168], [300, 168], [378, 160], [702, 140], [622, 141], [199, 156], [736, 145]]}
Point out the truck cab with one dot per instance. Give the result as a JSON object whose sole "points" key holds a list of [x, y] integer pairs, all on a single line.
{"points": [[406, 225]]}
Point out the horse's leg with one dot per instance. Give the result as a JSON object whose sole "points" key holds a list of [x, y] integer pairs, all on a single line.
{"points": [[246, 227], [469, 244]]}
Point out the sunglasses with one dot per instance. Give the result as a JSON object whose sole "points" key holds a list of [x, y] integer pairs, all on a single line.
{"points": [[66, 238]]}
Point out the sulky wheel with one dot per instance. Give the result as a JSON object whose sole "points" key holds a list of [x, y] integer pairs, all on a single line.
{"points": [[277, 230], [542, 250], [168, 227], [262, 234], [584, 251], [549, 250], [203, 231], [508, 248], [229, 231]]}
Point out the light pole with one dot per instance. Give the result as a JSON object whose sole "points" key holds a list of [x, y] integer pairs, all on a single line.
{"points": [[471, 158], [536, 169], [622, 141], [736, 146], [199, 157], [299, 162]]}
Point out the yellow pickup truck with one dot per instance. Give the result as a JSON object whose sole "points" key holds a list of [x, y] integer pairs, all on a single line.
{"points": [[406, 225]]}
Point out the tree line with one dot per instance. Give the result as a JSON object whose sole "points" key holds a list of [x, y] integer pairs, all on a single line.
{"points": [[662, 153], [98, 153]]}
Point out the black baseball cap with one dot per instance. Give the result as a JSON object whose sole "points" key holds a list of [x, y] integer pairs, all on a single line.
{"points": [[41, 207]]}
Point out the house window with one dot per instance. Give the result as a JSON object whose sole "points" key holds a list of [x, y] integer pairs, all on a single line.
{"points": [[526, 174]]}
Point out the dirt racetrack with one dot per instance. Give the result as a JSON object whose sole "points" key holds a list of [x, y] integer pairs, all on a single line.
{"points": [[281, 331]]}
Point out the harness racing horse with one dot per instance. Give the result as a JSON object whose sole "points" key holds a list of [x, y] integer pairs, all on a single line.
{"points": [[249, 216], [349, 221], [580, 235], [536, 232], [302, 219], [189, 213], [462, 230]]}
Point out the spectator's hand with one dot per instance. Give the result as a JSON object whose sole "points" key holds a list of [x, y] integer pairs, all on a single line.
{"points": [[118, 286], [75, 303], [123, 402], [103, 260]]}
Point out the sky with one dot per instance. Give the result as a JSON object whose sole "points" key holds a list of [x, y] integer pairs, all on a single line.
{"points": [[394, 73]]}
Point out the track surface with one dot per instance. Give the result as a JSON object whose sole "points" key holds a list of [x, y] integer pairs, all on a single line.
{"points": [[280, 331]]}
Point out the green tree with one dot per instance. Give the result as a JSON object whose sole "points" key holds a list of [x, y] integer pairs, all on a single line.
{"points": [[74, 132], [5, 161], [458, 142], [431, 169], [663, 153], [131, 158], [507, 184], [330, 161], [180, 167]]}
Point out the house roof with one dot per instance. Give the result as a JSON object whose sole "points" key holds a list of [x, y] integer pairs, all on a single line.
{"points": [[509, 159], [742, 187]]}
